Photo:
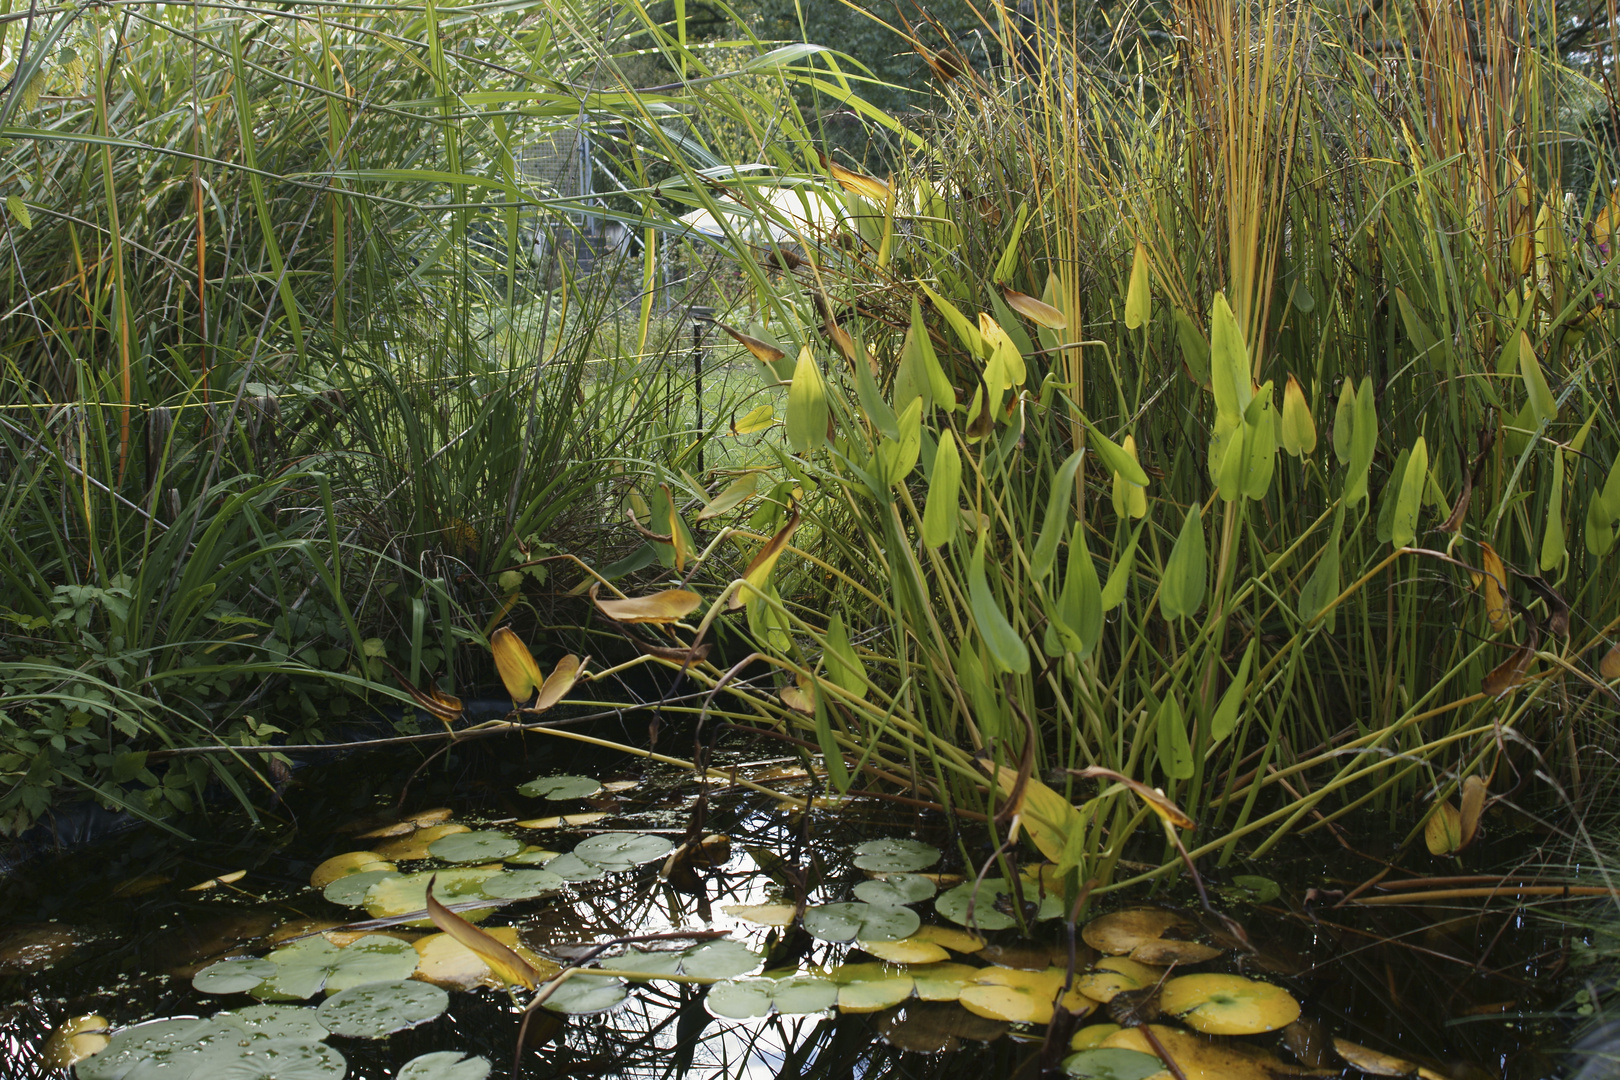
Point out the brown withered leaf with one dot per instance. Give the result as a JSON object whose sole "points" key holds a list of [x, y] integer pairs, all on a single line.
{"points": [[559, 682], [432, 701], [680, 656], [1153, 797], [1474, 792], [763, 351], [759, 568], [1493, 585], [1557, 606], [1509, 673], [1609, 666], [867, 187]]}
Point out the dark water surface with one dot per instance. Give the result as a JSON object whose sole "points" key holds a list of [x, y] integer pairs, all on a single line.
{"points": [[110, 928]]}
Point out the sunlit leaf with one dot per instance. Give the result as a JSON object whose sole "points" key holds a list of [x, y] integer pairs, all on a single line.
{"points": [[1139, 293], [895, 856], [1474, 792], [1493, 584], [867, 187], [939, 510], [1036, 311], [518, 670], [758, 571], [1443, 832], [445, 1065], [869, 922], [622, 851], [735, 494], [668, 606], [1220, 1004], [807, 408], [558, 788], [1230, 378], [763, 351], [844, 665], [470, 847], [557, 684], [1298, 429], [506, 964], [1130, 500]]}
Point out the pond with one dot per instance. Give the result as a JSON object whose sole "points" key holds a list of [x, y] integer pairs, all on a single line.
{"points": [[557, 849]]}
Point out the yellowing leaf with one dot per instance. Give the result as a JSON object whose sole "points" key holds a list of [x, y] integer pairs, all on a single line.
{"points": [[661, 607], [1036, 311], [1047, 816], [519, 673], [756, 419], [1298, 428], [1130, 500], [867, 187], [1443, 833], [1510, 673], [807, 409], [1491, 583], [940, 519], [1474, 791], [1139, 295], [558, 683], [1609, 666], [507, 965], [758, 573]]}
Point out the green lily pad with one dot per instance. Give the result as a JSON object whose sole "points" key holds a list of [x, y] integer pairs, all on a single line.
{"points": [[582, 995], [1252, 889], [622, 851], [402, 894], [444, 1065], [279, 1021], [719, 959], [471, 847], [305, 967], [571, 867], [522, 884], [993, 895], [869, 922], [559, 788], [895, 856], [350, 890], [651, 962], [157, 1042], [896, 890], [1111, 1063], [277, 1059], [232, 976], [531, 856], [381, 1008], [740, 999]]}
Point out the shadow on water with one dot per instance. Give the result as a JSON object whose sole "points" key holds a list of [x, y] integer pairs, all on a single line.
{"points": [[110, 928]]}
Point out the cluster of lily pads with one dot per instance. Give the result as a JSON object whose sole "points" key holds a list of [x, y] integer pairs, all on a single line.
{"points": [[381, 976]]}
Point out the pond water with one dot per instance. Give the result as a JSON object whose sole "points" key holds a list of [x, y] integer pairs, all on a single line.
{"points": [[114, 930]]}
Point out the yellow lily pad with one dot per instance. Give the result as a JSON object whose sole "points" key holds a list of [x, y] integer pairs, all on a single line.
{"points": [[448, 963], [407, 893], [563, 821], [74, 1040], [949, 936], [1092, 1035], [910, 950], [1148, 935], [943, 982], [1372, 1062], [763, 914], [1228, 1004], [1021, 997], [869, 996], [1203, 1059], [350, 862], [1113, 974]]}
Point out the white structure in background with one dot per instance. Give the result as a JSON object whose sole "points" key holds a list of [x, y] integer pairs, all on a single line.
{"points": [[773, 215]]}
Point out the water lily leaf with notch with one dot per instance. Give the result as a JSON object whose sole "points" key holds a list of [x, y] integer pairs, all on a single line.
{"points": [[516, 665], [896, 890], [445, 1065], [1092, 1035], [559, 788], [154, 1041], [762, 914], [307, 966], [953, 939], [621, 851], [470, 847], [522, 884], [992, 894], [869, 922], [507, 965], [874, 995], [415, 845], [279, 1021], [232, 976], [1021, 997], [941, 982], [1115, 974], [742, 999], [911, 950], [1147, 935], [1228, 1004], [895, 856], [74, 1040], [660, 608], [583, 995], [382, 1008], [1112, 1063], [1203, 1059], [718, 959]]}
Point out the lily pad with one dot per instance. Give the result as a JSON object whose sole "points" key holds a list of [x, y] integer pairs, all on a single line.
{"points": [[381, 1008], [992, 896], [932, 1027], [1252, 889], [1092, 1035], [1021, 996], [895, 856], [446, 962], [559, 788], [350, 890], [1148, 935], [1114, 974], [583, 995], [445, 1065], [176, 1049], [896, 890], [740, 999], [869, 922], [622, 851], [1228, 1004], [571, 867], [280, 1021], [522, 884], [1112, 1063], [350, 862], [719, 960], [1200, 1058], [869, 996], [470, 847], [407, 893], [277, 1059], [762, 914], [305, 967], [531, 856], [911, 950], [232, 976], [415, 845], [943, 982], [564, 821]]}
